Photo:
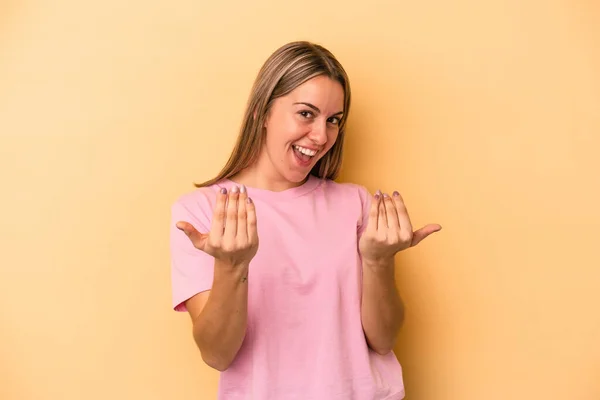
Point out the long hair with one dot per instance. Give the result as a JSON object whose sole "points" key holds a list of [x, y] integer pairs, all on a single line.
{"points": [[287, 68]]}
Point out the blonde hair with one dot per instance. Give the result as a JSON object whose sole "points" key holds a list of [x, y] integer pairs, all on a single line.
{"points": [[287, 68]]}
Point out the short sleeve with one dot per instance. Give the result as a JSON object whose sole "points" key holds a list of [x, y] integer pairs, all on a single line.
{"points": [[365, 201], [192, 270]]}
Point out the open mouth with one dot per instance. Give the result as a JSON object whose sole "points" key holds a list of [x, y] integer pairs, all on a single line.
{"points": [[304, 154]]}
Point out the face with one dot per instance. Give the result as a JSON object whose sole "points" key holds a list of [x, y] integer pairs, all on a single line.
{"points": [[301, 128]]}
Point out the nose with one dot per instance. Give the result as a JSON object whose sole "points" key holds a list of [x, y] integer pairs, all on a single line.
{"points": [[318, 133]]}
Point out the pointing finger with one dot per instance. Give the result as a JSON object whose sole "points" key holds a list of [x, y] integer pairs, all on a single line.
{"points": [[373, 213], [218, 221]]}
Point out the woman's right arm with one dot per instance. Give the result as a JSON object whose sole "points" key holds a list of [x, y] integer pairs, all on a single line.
{"points": [[219, 315]]}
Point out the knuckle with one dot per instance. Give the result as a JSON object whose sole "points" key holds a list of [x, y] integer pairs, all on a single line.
{"points": [[405, 237]]}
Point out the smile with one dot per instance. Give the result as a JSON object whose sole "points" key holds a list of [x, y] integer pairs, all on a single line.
{"points": [[305, 151]]}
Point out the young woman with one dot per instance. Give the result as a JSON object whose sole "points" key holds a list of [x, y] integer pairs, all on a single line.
{"points": [[287, 275]]}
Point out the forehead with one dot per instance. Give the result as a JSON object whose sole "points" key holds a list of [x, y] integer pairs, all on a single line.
{"points": [[320, 91]]}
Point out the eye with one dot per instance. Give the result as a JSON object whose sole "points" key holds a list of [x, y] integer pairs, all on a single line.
{"points": [[334, 120], [306, 113]]}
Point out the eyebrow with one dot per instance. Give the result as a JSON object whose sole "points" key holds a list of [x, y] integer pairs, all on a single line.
{"points": [[316, 108]]}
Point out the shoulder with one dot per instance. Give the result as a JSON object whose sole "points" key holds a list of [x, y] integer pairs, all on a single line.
{"points": [[195, 205], [347, 190], [197, 198], [351, 196]]}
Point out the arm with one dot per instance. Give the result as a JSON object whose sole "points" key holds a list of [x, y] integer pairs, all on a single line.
{"points": [[219, 316], [388, 231], [381, 309]]}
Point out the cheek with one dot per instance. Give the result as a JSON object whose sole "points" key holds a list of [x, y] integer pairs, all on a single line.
{"points": [[285, 129], [331, 138]]}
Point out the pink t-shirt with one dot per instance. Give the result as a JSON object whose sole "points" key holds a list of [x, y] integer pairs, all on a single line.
{"points": [[304, 338]]}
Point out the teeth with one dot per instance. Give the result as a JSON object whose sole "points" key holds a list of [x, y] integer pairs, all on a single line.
{"points": [[306, 151]]}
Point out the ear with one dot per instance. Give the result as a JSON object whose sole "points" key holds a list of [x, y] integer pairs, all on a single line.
{"points": [[255, 115], [266, 120]]}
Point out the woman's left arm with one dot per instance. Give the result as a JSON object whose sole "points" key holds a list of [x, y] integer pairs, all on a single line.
{"points": [[389, 231], [382, 311]]}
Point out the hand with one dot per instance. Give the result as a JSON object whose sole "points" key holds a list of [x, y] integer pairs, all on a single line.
{"points": [[233, 237], [389, 229]]}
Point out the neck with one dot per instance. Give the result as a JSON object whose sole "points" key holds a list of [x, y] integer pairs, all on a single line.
{"points": [[264, 177]]}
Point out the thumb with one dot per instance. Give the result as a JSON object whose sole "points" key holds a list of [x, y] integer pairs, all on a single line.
{"points": [[422, 233], [198, 239]]}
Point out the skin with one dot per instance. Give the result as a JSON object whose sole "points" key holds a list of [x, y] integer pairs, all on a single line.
{"points": [[291, 121], [308, 116]]}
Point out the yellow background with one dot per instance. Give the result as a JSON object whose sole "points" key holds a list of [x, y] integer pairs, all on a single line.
{"points": [[484, 114]]}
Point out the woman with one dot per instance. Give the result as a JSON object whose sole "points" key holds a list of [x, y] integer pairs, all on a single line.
{"points": [[287, 275]]}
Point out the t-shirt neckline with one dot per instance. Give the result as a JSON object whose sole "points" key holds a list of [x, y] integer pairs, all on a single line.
{"points": [[311, 183]]}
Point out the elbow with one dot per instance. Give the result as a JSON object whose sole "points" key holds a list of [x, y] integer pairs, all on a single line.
{"points": [[218, 363], [381, 347], [212, 357], [382, 350]]}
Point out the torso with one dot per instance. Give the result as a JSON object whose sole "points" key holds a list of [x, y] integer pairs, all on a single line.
{"points": [[304, 338]]}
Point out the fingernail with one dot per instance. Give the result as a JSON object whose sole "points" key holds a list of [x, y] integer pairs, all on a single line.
{"points": [[242, 189], [386, 195], [377, 195], [249, 200], [224, 191], [396, 194], [235, 189]]}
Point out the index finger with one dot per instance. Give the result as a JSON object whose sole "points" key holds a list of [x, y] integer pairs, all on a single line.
{"points": [[374, 213], [218, 221]]}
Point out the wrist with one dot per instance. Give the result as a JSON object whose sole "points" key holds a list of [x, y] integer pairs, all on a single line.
{"points": [[228, 270], [378, 263]]}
